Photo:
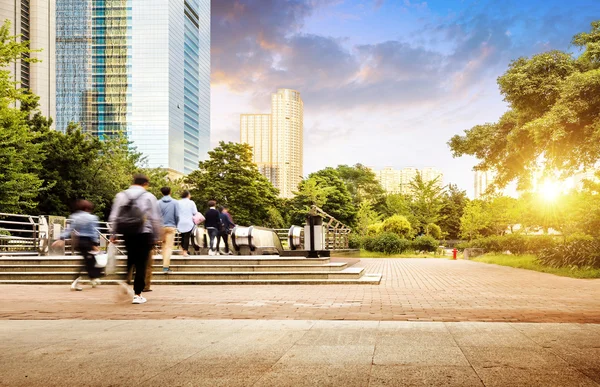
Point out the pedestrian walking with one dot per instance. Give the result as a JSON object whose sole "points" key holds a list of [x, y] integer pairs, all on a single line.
{"points": [[83, 231], [135, 214], [212, 223], [187, 211], [226, 226], [169, 210]]}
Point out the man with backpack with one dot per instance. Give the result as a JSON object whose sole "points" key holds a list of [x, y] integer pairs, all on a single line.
{"points": [[135, 214]]}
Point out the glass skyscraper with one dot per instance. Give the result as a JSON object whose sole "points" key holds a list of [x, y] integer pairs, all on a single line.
{"points": [[148, 76]]}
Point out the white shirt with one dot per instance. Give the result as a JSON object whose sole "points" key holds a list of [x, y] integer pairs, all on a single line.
{"points": [[187, 210]]}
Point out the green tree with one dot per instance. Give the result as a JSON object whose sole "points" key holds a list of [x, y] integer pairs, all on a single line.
{"points": [[475, 220], [427, 202], [365, 217], [230, 177], [554, 118], [20, 157], [326, 187], [454, 201], [362, 184], [397, 204]]}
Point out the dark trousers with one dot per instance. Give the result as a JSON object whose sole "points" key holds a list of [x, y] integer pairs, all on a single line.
{"points": [[225, 236], [212, 234], [185, 241], [84, 247], [138, 249]]}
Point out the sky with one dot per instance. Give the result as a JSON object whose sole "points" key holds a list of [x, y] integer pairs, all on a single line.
{"points": [[384, 82]]}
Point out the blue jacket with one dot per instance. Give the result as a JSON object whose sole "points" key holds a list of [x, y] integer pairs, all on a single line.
{"points": [[169, 210], [84, 224]]}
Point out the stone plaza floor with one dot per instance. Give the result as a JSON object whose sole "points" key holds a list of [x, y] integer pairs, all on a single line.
{"points": [[431, 322], [297, 353], [411, 290]]}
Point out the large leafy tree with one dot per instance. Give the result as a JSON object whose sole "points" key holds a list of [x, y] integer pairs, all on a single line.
{"points": [[20, 157], [454, 201], [230, 177], [326, 189], [554, 118], [361, 183]]}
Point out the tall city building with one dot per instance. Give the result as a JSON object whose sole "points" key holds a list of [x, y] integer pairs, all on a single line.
{"points": [[277, 140], [395, 181], [34, 20], [483, 179], [139, 67]]}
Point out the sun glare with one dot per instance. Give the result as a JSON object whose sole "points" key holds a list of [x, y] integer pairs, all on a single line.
{"points": [[550, 190]]}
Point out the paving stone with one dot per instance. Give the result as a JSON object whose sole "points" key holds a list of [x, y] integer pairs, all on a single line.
{"points": [[487, 357], [342, 355], [316, 375], [411, 290], [519, 377], [424, 376], [419, 356], [339, 337]]}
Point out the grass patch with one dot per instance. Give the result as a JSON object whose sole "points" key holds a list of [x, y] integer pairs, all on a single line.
{"points": [[530, 262]]}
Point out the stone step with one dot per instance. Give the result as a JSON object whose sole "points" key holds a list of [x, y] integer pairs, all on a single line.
{"points": [[327, 267], [367, 279], [348, 273], [253, 260]]}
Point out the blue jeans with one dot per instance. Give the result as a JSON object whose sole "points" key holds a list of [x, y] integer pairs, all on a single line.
{"points": [[213, 233]]}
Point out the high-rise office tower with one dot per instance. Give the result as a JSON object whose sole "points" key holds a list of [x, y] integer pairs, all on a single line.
{"points": [[390, 179], [277, 140], [34, 20], [146, 74], [255, 129]]}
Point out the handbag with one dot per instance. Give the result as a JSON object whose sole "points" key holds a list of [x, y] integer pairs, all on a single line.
{"points": [[111, 259], [198, 218], [101, 260]]}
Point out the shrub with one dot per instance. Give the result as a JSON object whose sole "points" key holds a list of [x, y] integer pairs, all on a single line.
{"points": [[434, 231], [397, 224], [515, 243], [390, 243], [425, 243], [369, 243], [536, 244], [355, 241], [374, 229], [580, 252]]}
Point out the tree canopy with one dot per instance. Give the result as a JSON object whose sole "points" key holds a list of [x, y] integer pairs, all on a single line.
{"points": [[231, 178], [554, 119]]}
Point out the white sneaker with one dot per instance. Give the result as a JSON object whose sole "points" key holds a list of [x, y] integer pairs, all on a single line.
{"points": [[75, 285], [138, 300], [218, 253], [210, 252], [95, 282]]}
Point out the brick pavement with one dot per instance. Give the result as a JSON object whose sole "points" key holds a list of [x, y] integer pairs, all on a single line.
{"points": [[411, 290]]}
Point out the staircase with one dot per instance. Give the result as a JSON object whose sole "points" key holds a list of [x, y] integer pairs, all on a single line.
{"points": [[197, 270]]}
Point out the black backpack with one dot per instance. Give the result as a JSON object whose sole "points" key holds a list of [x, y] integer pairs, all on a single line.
{"points": [[130, 219]]}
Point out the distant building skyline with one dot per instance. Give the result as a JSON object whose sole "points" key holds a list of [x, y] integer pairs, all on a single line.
{"points": [[277, 140], [397, 181], [138, 68], [35, 21]]}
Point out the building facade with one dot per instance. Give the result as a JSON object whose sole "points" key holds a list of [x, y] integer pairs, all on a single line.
{"points": [[34, 20], [277, 140], [148, 75], [398, 181]]}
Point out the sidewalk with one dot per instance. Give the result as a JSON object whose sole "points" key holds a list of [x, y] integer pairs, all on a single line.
{"points": [[297, 353], [411, 290]]}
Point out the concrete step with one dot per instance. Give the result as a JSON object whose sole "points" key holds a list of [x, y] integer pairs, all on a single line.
{"points": [[253, 260], [348, 273], [327, 267], [367, 279]]}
